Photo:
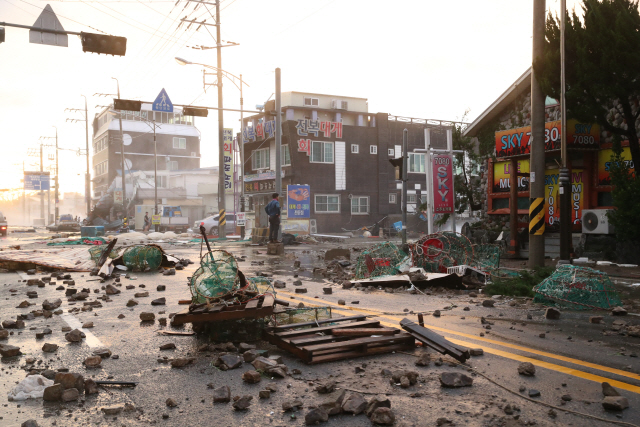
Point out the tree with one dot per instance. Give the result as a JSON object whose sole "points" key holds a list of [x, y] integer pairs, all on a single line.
{"points": [[602, 66]]}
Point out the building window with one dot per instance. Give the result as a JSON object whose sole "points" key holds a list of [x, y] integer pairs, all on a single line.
{"points": [[355, 148], [179, 142], [360, 205], [411, 199], [327, 204], [101, 144], [392, 198], [321, 152], [172, 165], [391, 152], [373, 149], [260, 159], [311, 102], [161, 181], [101, 168], [416, 163], [285, 155]]}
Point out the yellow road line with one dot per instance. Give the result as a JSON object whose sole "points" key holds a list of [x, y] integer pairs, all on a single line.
{"points": [[502, 353]]}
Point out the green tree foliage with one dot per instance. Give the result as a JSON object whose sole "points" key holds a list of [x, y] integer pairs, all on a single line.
{"points": [[626, 194], [602, 66]]}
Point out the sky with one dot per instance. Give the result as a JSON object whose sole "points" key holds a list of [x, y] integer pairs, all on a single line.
{"points": [[427, 59]]}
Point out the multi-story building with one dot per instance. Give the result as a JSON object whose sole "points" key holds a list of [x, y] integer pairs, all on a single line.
{"points": [[334, 144], [178, 145]]}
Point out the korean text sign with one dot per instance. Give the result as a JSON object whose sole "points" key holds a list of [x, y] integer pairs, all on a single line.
{"points": [[298, 201], [443, 202], [228, 161]]}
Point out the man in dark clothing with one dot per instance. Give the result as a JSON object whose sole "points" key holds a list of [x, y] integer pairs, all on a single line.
{"points": [[147, 222], [273, 210]]}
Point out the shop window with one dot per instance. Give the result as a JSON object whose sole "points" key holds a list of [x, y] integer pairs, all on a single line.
{"points": [[321, 152], [327, 204], [360, 205], [500, 204]]}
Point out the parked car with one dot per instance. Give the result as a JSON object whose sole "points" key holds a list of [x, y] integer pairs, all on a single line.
{"points": [[211, 224], [3, 225]]}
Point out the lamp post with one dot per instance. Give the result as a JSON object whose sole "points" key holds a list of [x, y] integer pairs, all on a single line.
{"points": [[221, 73], [56, 196], [124, 184]]}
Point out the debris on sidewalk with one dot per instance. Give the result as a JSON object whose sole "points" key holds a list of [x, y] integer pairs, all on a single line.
{"points": [[31, 387], [579, 288]]}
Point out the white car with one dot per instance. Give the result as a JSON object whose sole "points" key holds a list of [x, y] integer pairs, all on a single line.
{"points": [[211, 224]]}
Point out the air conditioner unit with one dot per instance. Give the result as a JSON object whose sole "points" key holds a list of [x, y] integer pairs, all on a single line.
{"points": [[595, 221], [313, 227]]}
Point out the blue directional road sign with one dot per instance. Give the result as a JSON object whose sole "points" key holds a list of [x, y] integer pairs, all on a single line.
{"points": [[163, 103], [36, 181]]}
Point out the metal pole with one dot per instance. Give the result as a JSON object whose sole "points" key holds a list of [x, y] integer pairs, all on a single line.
{"points": [[242, 201], [405, 164], [428, 173], [57, 191], [513, 213], [87, 189], [155, 172], [24, 198], [537, 155], [124, 186], [279, 143], [41, 191], [565, 181], [450, 148], [222, 232]]}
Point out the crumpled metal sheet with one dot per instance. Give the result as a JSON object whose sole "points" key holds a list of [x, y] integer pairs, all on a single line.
{"points": [[68, 259]]}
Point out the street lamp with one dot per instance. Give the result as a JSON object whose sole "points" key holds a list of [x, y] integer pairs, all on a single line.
{"points": [[233, 79]]}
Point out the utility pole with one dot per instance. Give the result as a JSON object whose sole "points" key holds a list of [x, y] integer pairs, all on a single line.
{"points": [[42, 192], [222, 222], [155, 173], [57, 195], [124, 185], [565, 173], [87, 183], [537, 154], [279, 142], [405, 164], [242, 201]]}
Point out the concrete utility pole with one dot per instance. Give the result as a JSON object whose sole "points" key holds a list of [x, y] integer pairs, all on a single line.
{"points": [[405, 165], [222, 221], [241, 142], [57, 192], [41, 191], [87, 180], [279, 143], [537, 155], [565, 173], [155, 173], [124, 166]]}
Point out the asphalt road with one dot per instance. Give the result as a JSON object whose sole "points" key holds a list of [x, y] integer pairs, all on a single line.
{"points": [[564, 366]]}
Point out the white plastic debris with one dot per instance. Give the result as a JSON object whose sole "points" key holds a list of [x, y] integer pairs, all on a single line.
{"points": [[31, 387], [581, 260], [604, 263]]}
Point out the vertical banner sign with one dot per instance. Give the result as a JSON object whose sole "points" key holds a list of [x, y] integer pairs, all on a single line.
{"points": [[442, 165], [552, 196], [228, 160], [298, 201]]}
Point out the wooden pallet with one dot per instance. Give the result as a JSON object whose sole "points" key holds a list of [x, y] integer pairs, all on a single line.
{"points": [[315, 342], [255, 308]]}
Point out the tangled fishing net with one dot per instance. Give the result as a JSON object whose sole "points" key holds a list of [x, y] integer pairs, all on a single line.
{"points": [[142, 257], [216, 277], [380, 260], [435, 252], [577, 287], [97, 251]]}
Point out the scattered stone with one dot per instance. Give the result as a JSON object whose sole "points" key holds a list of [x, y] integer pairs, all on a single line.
{"points": [[229, 361], [383, 417], [111, 290], [161, 288], [279, 284], [93, 361], [608, 390], [341, 302], [53, 393], [74, 336], [159, 301], [141, 294], [466, 308], [297, 282], [542, 335], [264, 394], [24, 304], [566, 397], [168, 346], [354, 404], [87, 325], [147, 317], [30, 423], [7, 350], [301, 290], [327, 291], [171, 403], [243, 403], [69, 380], [70, 395], [476, 352], [436, 313], [251, 377], [90, 386], [102, 352], [121, 316], [615, 403], [552, 313], [488, 303], [132, 303], [4, 334], [455, 379], [315, 416], [262, 363], [49, 348], [112, 410], [291, 405], [326, 387], [596, 319], [181, 362], [222, 394], [377, 402], [527, 369], [534, 393], [423, 360]]}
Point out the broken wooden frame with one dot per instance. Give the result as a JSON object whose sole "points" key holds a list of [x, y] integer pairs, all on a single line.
{"points": [[262, 306], [433, 340], [315, 343]]}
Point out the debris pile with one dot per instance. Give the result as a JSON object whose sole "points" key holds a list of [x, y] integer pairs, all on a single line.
{"points": [[578, 288], [380, 260]]}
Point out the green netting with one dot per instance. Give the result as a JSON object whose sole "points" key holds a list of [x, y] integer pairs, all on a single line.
{"points": [[577, 287], [142, 257], [486, 257], [302, 315], [435, 252], [381, 260], [216, 276], [81, 241], [96, 252]]}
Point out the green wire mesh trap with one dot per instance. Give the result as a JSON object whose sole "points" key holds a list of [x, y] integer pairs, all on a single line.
{"points": [[438, 251], [301, 315], [97, 251], [381, 260], [142, 257], [216, 277], [575, 287]]}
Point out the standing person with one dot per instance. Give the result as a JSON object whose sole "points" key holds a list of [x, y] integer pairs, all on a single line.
{"points": [[273, 210], [147, 222]]}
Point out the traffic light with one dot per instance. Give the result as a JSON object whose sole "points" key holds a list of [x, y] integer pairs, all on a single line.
{"points": [[192, 111], [102, 43], [127, 105], [397, 164]]}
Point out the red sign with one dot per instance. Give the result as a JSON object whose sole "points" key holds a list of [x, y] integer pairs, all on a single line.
{"points": [[304, 146], [442, 184]]}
